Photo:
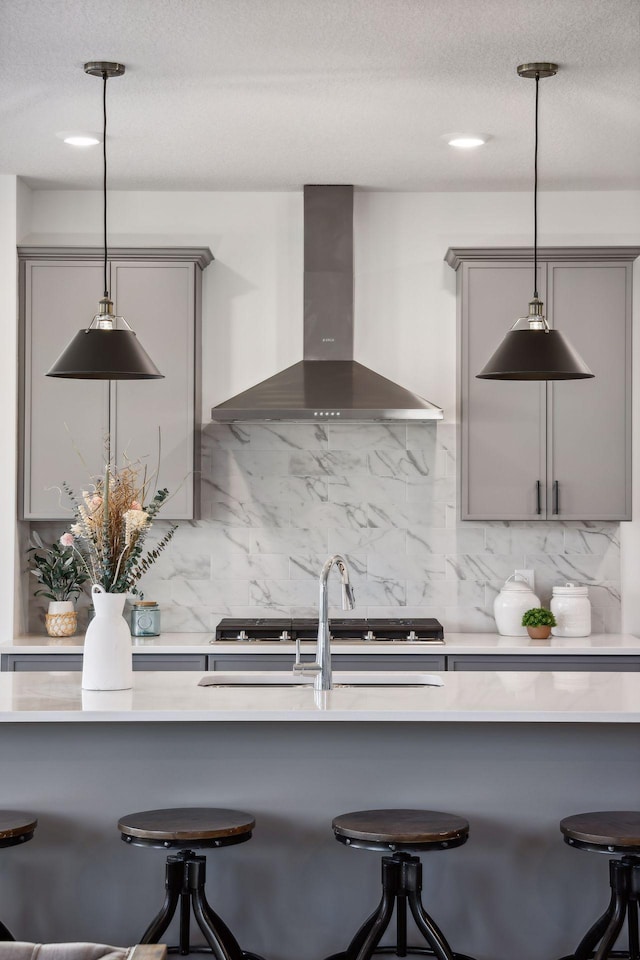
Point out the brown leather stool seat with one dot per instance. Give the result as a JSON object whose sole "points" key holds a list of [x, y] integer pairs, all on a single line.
{"points": [[610, 831], [15, 827], [185, 829], [401, 832]]}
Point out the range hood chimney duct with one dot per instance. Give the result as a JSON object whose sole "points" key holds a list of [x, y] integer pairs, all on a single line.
{"points": [[328, 384]]}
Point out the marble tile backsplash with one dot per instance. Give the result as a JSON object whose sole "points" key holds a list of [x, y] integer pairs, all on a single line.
{"points": [[278, 498]]}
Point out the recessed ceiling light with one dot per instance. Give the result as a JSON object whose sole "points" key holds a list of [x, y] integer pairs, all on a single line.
{"points": [[467, 142], [76, 138]]}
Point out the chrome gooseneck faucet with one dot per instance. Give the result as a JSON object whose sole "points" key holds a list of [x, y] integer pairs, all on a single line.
{"points": [[321, 669]]}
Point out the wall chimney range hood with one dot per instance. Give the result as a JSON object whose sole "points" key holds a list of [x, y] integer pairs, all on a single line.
{"points": [[328, 384]]}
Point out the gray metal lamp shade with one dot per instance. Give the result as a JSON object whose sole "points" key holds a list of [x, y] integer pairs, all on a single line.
{"points": [[96, 354], [535, 355]]}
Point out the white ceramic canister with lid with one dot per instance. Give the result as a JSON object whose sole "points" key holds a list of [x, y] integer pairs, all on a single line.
{"points": [[571, 607], [515, 598]]}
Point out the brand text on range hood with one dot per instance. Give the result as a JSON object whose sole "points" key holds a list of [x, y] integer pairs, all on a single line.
{"points": [[328, 383]]}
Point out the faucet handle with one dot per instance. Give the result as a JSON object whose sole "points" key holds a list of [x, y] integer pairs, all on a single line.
{"points": [[303, 668], [306, 669]]}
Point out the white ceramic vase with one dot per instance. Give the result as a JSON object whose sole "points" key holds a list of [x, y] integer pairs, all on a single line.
{"points": [[107, 660], [513, 600]]}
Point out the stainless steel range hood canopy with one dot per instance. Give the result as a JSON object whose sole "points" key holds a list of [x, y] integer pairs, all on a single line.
{"points": [[328, 384]]}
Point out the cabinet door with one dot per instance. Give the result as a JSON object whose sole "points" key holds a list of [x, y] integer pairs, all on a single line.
{"points": [[388, 663], [64, 421], [502, 451], [38, 662], [249, 661], [578, 663], [169, 661], [158, 300], [589, 427]]}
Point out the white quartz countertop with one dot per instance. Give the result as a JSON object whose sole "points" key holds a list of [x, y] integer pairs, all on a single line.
{"points": [[514, 697], [610, 644]]}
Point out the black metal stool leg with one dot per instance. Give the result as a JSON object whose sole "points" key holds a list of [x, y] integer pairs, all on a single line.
{"points": [[632, 915], [401, 925], [377, 929], [429, 930], [632, 920], [218, 948], [426, 926], [594, 935], [223, 944], [173, 886], [218, 924], [620, 875], [356, 943], [5, 934], [185, 923]]}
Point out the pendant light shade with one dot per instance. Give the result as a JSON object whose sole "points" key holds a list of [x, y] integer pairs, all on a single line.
{"points": [[103, 351], [535, 354], [531, 350]]}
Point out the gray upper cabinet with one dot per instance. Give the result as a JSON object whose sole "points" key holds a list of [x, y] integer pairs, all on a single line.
{"points": [[64, 422], [535, 450], [589, 429]]}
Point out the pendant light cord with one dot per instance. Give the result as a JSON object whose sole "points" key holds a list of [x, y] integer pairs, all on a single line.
{"points": [[535, 199], [104, 176]]}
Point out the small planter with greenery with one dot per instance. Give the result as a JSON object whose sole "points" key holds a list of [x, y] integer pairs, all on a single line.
{"points": [[538, 622], [61, 576]]}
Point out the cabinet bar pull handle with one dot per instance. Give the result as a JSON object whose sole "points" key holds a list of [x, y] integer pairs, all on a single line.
{"points": [[538, 497], [556, 497]]}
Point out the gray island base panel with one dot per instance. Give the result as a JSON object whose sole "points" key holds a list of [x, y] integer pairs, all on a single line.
{"points": [[460, 652], [515, 890]]}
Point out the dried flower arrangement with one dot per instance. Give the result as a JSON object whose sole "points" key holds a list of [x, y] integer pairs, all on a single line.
{"points": [[111, 525]]}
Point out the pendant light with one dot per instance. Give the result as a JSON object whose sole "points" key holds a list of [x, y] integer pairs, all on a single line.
{"points": [[531, 350], [102, 351]]}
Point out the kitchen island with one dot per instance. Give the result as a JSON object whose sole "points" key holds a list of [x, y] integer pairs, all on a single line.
{"points": [[513, 752]]}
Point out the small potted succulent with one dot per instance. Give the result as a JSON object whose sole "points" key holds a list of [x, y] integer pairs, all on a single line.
{"points": [[61, 575], [538, 622]]}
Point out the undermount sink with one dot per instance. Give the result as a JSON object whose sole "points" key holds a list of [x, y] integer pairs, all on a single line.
{"points": [[277, 678]]}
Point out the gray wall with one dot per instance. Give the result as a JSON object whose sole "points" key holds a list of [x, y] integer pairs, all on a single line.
{"points": [[515, 890], [279, 498]]}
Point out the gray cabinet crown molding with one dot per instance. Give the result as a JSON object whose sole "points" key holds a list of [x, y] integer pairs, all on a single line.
{"points": [[201, 256], [458, 255]]}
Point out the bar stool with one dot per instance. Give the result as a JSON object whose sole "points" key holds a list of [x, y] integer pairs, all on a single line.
{"points": [[401, 832], [15, 827], [610, 831], [184, 829]]}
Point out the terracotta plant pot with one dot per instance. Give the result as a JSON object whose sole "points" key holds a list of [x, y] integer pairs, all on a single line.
{"points": [[539, 633]]}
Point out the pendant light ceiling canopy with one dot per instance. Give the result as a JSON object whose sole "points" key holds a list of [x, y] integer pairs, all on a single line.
{"points": [[531, 350], [102, 351]]}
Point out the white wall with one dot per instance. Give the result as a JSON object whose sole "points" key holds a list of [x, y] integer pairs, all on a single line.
{"points": [[405, 293], [8, 395]]}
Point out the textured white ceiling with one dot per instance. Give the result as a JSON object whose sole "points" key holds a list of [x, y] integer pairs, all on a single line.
{"points": [[272, 94]]}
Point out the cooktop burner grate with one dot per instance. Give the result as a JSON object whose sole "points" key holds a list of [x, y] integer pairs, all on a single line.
{"points": [[277, 629]]}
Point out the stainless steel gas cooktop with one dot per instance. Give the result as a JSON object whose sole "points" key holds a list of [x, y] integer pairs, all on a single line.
{"points": [[284, 630]]}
